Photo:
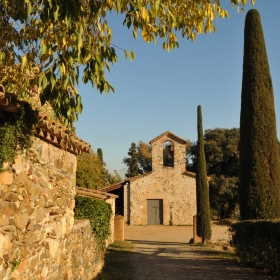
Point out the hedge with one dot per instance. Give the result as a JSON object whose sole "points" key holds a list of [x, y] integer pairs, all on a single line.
{"points": [[98, 212], [257, 243]]}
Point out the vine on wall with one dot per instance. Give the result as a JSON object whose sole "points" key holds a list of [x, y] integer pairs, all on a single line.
{"points": [[16, 133], [98, 212]]}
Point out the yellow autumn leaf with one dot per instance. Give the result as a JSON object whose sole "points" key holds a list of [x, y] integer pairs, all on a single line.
{"points": [[24, 61], [145, 14], [64, 42], [146, 35]]}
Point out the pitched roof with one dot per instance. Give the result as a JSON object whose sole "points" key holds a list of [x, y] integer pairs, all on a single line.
{"points": [[94, 193], [120, 184], [113, 187], [170, 135]]}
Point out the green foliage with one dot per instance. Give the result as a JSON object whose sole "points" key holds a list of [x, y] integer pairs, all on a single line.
{"points": [[92, 173], [139, 160], [98, 212], [202, 190], [15, 264], [111, 179], [131, 162], [257, 243], [221, 147], [45, 43], [144, 153], [259, 157], [100, 154], [16, 132]]}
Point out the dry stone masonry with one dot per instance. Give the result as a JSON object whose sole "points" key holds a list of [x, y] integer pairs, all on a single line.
{"points": [[39, 238]]}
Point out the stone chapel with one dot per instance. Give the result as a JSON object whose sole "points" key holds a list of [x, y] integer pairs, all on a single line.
{"points": [[165, 196]]}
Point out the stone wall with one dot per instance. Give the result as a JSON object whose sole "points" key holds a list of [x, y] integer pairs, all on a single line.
{"points": [[174, 185], [84, 261], [37, 238]]}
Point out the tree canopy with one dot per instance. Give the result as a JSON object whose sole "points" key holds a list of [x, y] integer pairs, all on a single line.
{"points": [[44, 43], [139, 160], [92, 173], [221, 147]]}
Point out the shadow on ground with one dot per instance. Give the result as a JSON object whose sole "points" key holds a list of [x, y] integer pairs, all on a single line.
{"points": [[172, 260]]}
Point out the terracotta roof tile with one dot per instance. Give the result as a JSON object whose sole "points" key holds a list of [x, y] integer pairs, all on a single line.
{"points": [[48, 130], [56, 134]]}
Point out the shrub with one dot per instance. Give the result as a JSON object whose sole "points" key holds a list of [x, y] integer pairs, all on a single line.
{"points": [[98, 212], [257, 243]]}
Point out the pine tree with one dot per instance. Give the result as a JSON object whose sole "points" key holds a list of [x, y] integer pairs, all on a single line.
{"points": [[259, 189], [202, 190], [132, 162]]}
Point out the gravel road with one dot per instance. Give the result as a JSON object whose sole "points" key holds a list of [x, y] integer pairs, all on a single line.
{"points": [[163, 252]]}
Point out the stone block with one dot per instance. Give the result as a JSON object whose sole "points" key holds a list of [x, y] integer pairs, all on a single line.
{"points": [[33, 189], [31, 225], [31, 237], [52, 246], [59, 202], [21, 220], [6, 178], [58, 163], [33, 263], [9, 209], [41, 202], [69, 274], [11, 196], [5, 244], [4, 222], [41, 214], [21, 178], [22, 266], [44, 182]]}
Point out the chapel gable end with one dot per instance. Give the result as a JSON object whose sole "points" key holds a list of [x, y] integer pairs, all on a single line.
{"points": [[168, 152]]}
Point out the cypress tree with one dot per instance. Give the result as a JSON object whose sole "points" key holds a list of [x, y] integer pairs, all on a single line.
{"points": [[100, 154], [202, 190], [259, 189]]}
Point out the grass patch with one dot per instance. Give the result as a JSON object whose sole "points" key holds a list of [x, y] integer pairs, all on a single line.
{"points": [[218, 250], [225, 255], [118, 264]]}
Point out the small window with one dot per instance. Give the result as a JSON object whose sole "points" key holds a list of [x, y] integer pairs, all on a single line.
{"points": [[168, 154]]}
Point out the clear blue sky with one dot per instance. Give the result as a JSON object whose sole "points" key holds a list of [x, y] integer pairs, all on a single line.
{"points": [[160, 91]]}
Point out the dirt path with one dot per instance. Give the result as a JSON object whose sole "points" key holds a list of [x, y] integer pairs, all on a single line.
{"points": [[163, 252]]}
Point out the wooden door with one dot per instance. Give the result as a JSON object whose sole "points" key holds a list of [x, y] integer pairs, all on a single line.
{"points": [[154, 212]]}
